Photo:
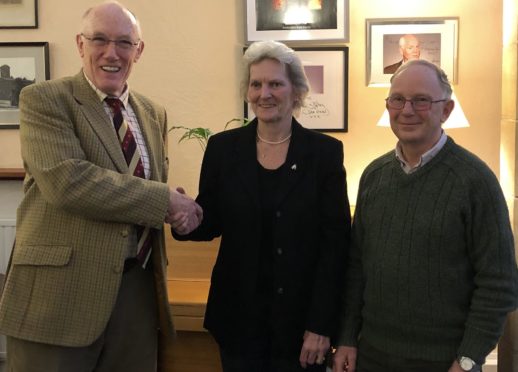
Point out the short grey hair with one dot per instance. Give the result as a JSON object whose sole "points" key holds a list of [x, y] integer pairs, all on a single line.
{"points": [[270, 49], [403, 40], [131, 15], [442, 78]]}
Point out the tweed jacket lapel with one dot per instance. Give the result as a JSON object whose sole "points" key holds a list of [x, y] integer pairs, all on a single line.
{"points": [[94, 113]]}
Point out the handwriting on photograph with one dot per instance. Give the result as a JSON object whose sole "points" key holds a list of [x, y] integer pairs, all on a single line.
{"points": [[315, 109]]}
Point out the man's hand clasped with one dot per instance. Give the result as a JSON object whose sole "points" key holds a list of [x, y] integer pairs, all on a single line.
{"points": [[183, 214], [345, 359]]}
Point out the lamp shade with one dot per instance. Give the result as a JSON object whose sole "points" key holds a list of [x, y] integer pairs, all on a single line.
{"points": [[457, 117]]}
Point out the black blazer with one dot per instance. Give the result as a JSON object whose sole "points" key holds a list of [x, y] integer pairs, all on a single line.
{"points": [[390, 69], [311, 235]]}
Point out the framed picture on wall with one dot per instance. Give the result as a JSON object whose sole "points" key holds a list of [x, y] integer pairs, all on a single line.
{"points": [[297, 20], [326, 105], [18, 13], [21, 64], [391, 42]]}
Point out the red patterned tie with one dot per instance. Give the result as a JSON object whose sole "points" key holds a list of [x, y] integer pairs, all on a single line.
{"points": [[134, 161]]}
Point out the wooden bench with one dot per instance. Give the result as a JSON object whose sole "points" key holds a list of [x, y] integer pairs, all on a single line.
{"points": [[188, 301]]}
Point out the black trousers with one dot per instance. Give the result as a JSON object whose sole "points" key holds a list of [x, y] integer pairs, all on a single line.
{"points": [[266, 363]]}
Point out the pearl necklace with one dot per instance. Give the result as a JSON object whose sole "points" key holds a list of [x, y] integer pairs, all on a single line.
{"points": [[273, 142]]}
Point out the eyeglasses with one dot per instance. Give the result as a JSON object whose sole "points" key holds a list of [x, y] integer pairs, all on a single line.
{"points": [[397, 102], [100, 42]]}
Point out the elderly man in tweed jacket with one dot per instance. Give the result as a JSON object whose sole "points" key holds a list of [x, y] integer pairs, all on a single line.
{"points": [[79, 295]]}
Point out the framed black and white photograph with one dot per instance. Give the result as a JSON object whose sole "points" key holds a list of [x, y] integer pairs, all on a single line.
{"points": [[392, 42], [18, 13], [297, 20], [326, 105], [21, 64]]}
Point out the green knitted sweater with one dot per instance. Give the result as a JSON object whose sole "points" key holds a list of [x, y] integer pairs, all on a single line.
{"points": [[432, 272]]}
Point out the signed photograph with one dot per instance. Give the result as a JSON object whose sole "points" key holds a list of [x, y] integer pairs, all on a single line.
{"points": [[326, 105], [392, 42], [399, 48]]}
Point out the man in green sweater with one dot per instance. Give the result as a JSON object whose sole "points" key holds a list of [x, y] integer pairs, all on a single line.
{"points": [[432, 271]]}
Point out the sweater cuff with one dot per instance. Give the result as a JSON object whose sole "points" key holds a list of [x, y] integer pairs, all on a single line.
{"points": [[477, 344], [348, 334]]}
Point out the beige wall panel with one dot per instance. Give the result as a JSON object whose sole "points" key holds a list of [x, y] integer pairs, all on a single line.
{"points": [[191, 65]]}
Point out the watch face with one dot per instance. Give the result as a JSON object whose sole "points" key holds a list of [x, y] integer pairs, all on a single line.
{"points": [[466, 364]]}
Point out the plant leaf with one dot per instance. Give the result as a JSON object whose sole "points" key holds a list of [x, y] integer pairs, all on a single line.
{"points": [[244, 122]]}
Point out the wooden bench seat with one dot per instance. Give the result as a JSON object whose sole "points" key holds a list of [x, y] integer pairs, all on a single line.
{"points": [[188, 301], [188, 273]]}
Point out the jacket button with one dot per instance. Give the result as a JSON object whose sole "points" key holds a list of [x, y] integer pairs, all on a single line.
{"points": [[278, 214], [124, 233], [279, 251], [280, 290]]}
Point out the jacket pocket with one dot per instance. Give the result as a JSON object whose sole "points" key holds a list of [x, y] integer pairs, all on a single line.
{"points": [[42, 255]]}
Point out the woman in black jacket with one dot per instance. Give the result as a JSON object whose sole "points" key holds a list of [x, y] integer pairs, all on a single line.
{"points": [[276, 194]]}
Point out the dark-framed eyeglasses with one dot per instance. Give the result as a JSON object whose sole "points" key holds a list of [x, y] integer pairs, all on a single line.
{"points": [[418, 103], [101, 41]]}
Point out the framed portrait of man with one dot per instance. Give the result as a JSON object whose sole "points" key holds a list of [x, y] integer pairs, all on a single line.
{"points": [[391, 43]]}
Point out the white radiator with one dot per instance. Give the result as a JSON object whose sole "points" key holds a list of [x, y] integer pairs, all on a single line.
{"points": [[7, 233]]}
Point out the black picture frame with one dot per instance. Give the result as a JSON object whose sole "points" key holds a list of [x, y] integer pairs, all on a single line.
{"points": [[21, 64], [288, 20], [18, 14]]}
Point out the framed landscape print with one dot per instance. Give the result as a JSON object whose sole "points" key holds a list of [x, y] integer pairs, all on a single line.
{"points": [[21, 64]]}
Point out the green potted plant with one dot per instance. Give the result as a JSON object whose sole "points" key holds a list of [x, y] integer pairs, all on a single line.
{"points": [[201, 135]]}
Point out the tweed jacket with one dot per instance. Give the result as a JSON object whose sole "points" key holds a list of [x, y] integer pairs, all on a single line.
{"points": [[310, 237], [78, 214]]}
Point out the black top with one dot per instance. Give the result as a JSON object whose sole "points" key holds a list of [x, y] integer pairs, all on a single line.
{"points": [[304, 220], [262, 336], [269, 180]]}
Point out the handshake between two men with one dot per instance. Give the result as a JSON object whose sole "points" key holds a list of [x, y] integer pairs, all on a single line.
{"points": [[183, 214]]}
